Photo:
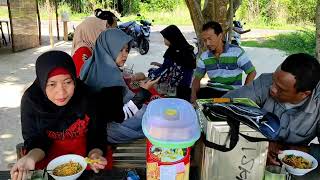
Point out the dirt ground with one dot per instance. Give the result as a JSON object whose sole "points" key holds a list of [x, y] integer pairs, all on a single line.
{"points": [[17, 73]]}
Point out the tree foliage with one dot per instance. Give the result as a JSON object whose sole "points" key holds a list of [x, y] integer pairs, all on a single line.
{"points": [[277, 11], [127, 6]]}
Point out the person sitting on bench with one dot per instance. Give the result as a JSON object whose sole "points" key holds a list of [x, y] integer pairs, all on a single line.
{"points": [[292, 93]]}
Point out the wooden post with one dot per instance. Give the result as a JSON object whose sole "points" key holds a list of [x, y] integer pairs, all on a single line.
{"points": [[49, 8], [65, 19], [65, 30], [57, 19]]}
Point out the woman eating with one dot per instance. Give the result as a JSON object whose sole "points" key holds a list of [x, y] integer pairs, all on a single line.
{"points": [[58, 117]]}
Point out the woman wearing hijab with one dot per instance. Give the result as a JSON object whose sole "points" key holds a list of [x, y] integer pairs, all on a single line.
{"points": [[86, 34], [58, 117], [102, 71], [179, 61]]}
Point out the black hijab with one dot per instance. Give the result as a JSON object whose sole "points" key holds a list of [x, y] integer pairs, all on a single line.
{"points": [[179, 51], [52, 116]]}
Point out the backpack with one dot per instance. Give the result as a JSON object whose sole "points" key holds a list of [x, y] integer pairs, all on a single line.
{"points": [[235, 113]]}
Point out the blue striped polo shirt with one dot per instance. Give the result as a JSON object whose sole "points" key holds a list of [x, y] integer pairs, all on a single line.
{"points": [[225, 72]]}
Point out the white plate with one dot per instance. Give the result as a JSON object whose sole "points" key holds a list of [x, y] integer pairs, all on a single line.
{"points": [[65, 159], [297, 171]]}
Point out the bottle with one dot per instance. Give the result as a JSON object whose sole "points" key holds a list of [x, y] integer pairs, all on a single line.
{"points": [[132, 175]]}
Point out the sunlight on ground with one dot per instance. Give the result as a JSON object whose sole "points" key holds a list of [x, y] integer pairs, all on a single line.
{"points": [[58, 45], [6, 136], [10, 158], [9, 152], [10, 95]]}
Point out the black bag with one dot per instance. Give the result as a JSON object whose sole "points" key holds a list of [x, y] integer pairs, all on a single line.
{"points": [[262, 121]]}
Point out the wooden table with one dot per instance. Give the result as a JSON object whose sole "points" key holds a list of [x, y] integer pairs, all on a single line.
{"points": [[114, 174], [313, 175]]}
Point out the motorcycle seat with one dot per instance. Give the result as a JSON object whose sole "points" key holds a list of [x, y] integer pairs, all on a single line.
{"points": [[126, 24]]}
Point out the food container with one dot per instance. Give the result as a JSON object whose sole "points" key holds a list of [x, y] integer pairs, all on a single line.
{"points": [[171, 127], [167, 163], [171, 123]]}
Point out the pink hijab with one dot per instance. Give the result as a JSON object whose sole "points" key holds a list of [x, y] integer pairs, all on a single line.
{"points": [[87, 32]]}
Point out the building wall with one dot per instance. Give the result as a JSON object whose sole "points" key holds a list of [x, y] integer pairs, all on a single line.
{"points": [[24, 24]]}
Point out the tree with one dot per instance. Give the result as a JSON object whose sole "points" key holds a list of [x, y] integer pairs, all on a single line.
{"points": [[318, 31], [50, 10], [221, 11]]}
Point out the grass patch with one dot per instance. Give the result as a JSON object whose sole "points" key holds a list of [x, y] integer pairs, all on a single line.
{"points": [[295, 42], [283, 26], [4, 12]]}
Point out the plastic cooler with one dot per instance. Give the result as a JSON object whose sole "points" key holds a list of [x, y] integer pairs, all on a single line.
{"points": [[171, 127]]}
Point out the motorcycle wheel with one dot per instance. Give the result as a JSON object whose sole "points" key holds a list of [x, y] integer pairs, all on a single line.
{"points": [[144, 46]]}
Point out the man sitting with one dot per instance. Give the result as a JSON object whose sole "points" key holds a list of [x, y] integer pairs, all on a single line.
{"points": [[224, 64], [292, 93]]}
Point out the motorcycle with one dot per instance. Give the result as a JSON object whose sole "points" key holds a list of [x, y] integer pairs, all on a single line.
{"points": [[139, 32], [237, 30]]}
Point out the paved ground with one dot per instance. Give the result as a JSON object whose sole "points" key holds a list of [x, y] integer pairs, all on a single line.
{"points": [[17, 73]]}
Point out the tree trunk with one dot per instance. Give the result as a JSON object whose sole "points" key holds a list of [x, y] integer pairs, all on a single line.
{"points": [[120, 6], [213, 10], [236, 5], [318, 31], [196, 16], [230, 19]]}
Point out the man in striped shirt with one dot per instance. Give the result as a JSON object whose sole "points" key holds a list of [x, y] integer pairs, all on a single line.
{"points": [[222, 62]]}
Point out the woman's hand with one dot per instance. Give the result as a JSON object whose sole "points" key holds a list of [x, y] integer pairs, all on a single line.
{"points": [[138, 77], [149, 83], [96, 154], [193, 99], [20, 169]]}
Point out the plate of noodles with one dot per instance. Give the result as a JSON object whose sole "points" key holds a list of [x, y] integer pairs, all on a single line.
{"points": [[67, 167], [297, 162]]}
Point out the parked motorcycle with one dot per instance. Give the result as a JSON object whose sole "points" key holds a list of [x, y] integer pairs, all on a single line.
{"points": [[139, 32]]}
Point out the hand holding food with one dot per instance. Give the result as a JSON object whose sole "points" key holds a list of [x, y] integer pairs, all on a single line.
{"points": [[96, 162], [148, 84], [20, 169], [138, 76]]}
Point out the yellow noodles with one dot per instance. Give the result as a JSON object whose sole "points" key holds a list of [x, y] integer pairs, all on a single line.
{"points": [[67, 169], [297, 161]]}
